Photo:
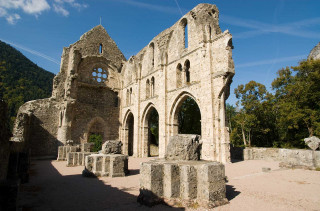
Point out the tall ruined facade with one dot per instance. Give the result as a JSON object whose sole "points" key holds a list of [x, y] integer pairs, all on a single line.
{"points": [[98, 92]]}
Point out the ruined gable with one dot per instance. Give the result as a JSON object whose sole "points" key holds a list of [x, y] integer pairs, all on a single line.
{"points": [[98, 92]]}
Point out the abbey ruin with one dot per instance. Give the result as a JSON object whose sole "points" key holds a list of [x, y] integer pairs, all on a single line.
{"points": [[98, 91]]}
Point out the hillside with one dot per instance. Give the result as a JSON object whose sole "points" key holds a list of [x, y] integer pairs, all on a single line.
{"points": [[21, 80]]}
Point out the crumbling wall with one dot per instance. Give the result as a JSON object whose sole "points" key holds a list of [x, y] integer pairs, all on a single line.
{"points": [[290, 157], [36, 127], [168, 70]]}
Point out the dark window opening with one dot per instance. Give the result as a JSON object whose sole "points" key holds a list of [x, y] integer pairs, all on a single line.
{"points": [[189, 117]]}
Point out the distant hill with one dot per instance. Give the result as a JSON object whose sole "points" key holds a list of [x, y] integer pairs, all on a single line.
{"points": [[21, 80]]}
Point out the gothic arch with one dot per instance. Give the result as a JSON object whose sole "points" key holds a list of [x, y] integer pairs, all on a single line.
{"points": [[173, 115], [95, 121], [145, 131], [128, 133]]}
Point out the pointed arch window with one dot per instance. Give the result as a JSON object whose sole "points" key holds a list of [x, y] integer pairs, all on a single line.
{"points": [[151, 46], [100, 49], [152, 87], [187, 70], [184, 24], [179, 75], [147, 89]]}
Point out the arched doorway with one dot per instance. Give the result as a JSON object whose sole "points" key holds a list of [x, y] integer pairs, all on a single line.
{"points": [[185, 116], [129, 131], [151, 133]]}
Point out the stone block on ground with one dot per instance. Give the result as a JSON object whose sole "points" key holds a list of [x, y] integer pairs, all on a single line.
{"points": [[112, 165], [184, 147], [185, 183], [111, 147]]}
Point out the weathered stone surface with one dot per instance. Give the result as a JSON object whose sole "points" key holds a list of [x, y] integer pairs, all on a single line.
{"points": [[184, 147], [288, 157], [182, 183], [63, 151], [77, 158], [86, 147], [312, 142], [97, 89], [112, 165], [315, 52], [111, 147]]}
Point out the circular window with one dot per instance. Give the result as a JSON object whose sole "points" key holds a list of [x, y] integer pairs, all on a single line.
{"points": [[99, 75]]}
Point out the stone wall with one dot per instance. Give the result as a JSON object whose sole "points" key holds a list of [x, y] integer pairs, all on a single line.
{"points": [[164, 73], [290, 157], [97, 90]]}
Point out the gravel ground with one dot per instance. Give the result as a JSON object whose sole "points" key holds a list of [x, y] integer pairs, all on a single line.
{"points": [[53, 186]]}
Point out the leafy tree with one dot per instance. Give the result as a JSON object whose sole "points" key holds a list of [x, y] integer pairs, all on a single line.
{"points": [[251, 119], [21, 80], [97, 140], [298, 102]]}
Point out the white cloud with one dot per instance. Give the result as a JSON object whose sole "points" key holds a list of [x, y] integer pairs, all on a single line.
{"points": [[3, 12], [35, 6], [32, 7], [61, 10], [12, 19], [9, 9], [60, 6]]}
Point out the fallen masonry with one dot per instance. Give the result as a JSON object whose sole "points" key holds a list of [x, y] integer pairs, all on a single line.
{"points": [[186, 183], [109, 161]]}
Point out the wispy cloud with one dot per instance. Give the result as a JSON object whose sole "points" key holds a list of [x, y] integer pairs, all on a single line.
{"points": [[258, 28], [60, 6], [36, 53], [155, 7], [10, 9], [272, 61]]}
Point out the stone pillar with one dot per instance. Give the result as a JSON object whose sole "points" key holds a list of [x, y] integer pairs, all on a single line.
{"points": [[171, 180]]}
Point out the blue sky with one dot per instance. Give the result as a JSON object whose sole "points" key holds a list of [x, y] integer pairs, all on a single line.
{"points": [[267, 34]]}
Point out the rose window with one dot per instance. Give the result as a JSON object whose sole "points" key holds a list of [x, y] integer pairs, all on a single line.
{"points": [[99, 75]]}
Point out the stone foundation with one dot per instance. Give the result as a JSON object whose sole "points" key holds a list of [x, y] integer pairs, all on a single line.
{"points": [[112, 165], [289, 157], [64, 150], [77, 158], [183, 183]]}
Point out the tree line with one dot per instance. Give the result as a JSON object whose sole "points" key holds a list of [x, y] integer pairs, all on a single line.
{"points": [[21, 80], [282, 117]]}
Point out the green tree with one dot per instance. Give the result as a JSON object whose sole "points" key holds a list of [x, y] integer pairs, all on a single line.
{"points": [[97, 140], [255, 119], [297, 93]]}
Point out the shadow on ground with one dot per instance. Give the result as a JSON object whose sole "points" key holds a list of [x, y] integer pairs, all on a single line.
{"points": [[231, 192], [49, 190]]}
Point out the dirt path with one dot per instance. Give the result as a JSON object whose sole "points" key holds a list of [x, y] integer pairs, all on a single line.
{"points": [[53, 186]]}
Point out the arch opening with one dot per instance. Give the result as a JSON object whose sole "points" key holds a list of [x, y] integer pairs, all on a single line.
{"points": [[187, 117], [129, 132], [96, 135], [151, 133]]}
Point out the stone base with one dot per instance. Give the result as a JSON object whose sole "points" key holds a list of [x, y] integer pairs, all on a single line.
{"points": [[183, 183], [112, 165], [64, 150], [77, 158]]}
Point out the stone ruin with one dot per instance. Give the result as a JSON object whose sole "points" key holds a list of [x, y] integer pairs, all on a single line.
{"points": [[98, 91], [182, 179], [108, 162]]}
